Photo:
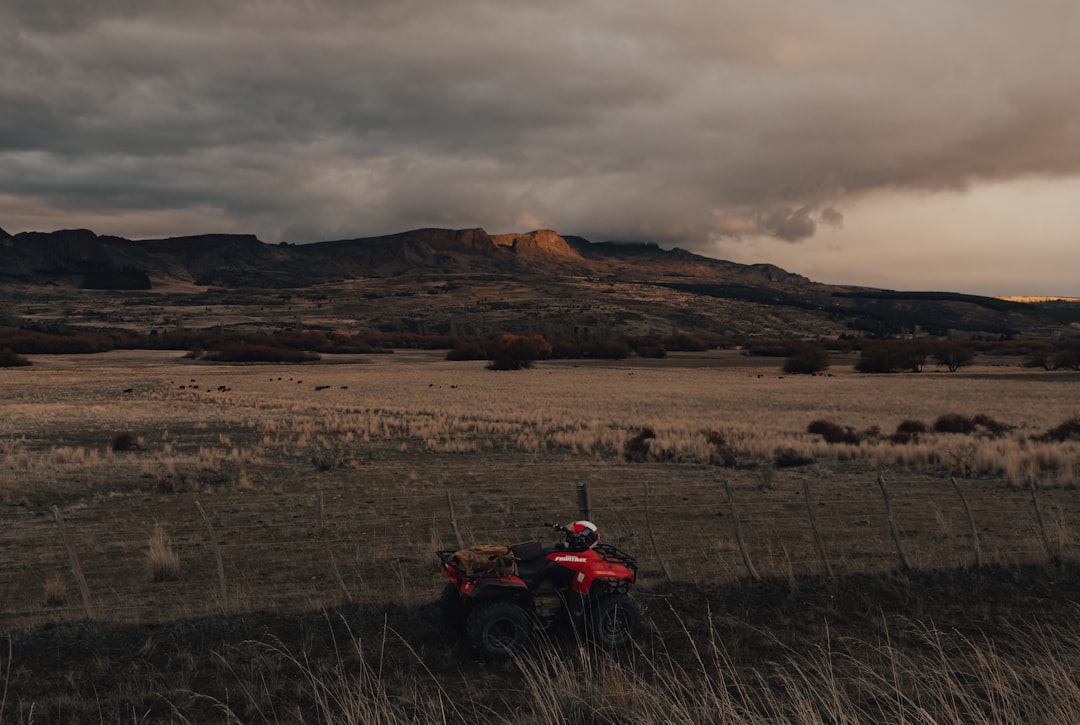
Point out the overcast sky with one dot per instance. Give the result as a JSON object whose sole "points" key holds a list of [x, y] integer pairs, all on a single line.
{"points": [[910, 145]]}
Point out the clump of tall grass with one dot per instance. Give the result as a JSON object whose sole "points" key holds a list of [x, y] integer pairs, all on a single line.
{"points": [[162, 559], [55, 590]]}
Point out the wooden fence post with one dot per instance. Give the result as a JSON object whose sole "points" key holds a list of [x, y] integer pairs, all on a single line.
{"points": [[76, 567], [652, 536], [1051, 553], [738, 534], [453, 520], [971, 521], [321, 506], [892, 524], [217, 555], [813, 527], [330, 552], [583, 500]]}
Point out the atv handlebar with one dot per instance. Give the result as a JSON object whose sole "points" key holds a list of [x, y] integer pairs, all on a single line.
{"points": [[574, 542]]}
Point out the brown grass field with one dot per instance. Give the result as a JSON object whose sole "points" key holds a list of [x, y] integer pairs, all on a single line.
{"points": [[325, 489]]}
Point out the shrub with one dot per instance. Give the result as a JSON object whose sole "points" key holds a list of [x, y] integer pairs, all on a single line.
{"points": [[991, 426], [1067, 359], [636, 448], [724, 454], [807, 359], [953, 355], [954, 423], [833, 433], [469, 349], [1040, 356], [1069, 430], [9, 359], [790, 458], [913, 427], [247, 353], [124, 441], [772, 348], [908, 431], [517, 352], [608, 350], [655, 352], [957, 423], [881, 357], [686, 342]]}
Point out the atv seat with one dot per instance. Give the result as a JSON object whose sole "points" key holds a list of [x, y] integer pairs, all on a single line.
{"points": [[527, 550], [534, 570]]}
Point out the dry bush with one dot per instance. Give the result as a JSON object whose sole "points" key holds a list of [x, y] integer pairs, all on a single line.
{"points": [[1066, 431], [954, 423], [55, 590], [958, 423], [243, 482], [636, 448], [908, 431], [163, 560], [724, 454], [125, 441], [834, 433], [9, 359], [991, 426], [807, 359], [791, 458]]}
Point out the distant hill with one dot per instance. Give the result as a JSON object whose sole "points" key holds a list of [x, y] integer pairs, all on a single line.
{"points": [[483, 283]]}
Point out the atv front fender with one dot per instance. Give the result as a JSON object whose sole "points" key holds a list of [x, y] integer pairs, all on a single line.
{"points": [[583, 580]]}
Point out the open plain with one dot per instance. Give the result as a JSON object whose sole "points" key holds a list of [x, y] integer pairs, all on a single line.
{"points": [[283, 491]]}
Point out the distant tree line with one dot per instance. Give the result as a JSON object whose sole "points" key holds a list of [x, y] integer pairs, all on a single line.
{"points": [[513, 350]]}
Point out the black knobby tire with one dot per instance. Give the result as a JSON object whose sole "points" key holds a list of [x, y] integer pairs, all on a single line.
{"points": [[614, 620], [497, 629], [452, 608]]}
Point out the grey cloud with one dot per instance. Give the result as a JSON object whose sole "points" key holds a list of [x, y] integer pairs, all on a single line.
{"points": [[683, 123]]}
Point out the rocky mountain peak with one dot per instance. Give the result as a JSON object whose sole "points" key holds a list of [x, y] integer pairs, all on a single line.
{"points": [[538, 242]]}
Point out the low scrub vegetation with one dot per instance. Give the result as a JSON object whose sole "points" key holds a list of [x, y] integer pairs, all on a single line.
{"points": [[833, 433], [1066, 431], [251, 353], [9, 359], [890, 356], [807, 359]]}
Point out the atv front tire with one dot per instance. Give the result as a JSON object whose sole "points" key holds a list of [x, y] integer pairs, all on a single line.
{"points": [[614, 621], [497, 629]]}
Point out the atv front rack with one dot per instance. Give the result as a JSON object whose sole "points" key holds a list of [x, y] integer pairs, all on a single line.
{"points": [[615, 555]]}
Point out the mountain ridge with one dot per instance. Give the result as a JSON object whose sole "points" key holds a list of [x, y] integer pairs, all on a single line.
{"points": [[485, 283]]}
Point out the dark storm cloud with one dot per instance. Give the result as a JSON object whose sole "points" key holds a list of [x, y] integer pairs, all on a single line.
{"points": [[681, 123]]}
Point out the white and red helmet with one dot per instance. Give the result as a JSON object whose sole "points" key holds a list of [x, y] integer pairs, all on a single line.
{"points": [[586, 533]]}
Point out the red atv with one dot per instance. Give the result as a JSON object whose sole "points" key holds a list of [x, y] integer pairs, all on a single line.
{"points": [[498, 594]]}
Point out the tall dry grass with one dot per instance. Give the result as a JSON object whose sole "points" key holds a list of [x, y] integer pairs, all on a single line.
{"points": [[937, 676], [162, 559]]}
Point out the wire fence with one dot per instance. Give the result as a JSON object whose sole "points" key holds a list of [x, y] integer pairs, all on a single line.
{"points": [[302, 550]]}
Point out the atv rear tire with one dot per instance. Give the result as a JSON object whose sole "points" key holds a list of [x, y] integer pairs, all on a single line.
{"points": [[498, 629], [614, 621], [452, 609]]}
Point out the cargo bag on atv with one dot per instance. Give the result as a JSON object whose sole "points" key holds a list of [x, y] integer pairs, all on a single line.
{"points": [[480, 561]]}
